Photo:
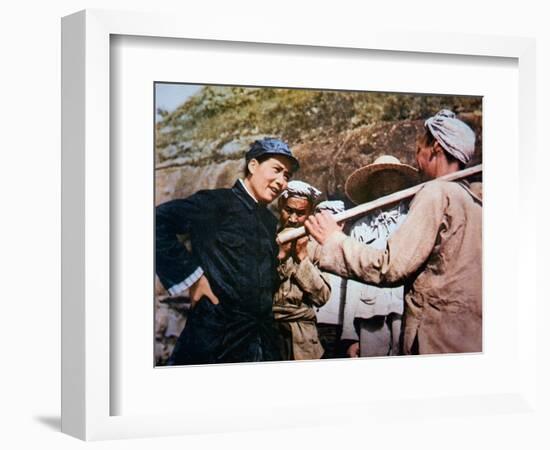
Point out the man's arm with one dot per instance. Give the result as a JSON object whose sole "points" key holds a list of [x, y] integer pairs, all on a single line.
{"points": [[407, 250], [177, 268], [313, 282]]}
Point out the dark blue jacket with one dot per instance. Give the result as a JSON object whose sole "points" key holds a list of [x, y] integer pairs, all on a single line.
{"points": [[233, 241]]}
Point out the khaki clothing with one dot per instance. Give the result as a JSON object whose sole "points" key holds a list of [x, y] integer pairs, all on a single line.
{"points": [[437, 251], [303, 287]]}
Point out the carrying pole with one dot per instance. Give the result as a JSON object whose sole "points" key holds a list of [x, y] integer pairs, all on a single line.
{"points": [[364, 208]]}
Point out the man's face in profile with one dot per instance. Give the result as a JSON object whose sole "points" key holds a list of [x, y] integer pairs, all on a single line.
{"points": [[294, 211]]}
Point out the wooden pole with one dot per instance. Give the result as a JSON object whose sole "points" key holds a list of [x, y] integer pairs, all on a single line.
{"points": [[365, 208]]}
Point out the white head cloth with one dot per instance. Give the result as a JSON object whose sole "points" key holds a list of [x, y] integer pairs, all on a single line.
{"points": [[453, 135], [334, 206], [296, 188]]}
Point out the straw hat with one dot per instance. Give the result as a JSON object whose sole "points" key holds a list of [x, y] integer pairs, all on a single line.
{"points": [[384, 176]]}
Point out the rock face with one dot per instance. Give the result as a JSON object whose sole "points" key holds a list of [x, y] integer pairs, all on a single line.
{"points": [[325, 161], [328, 154], [179, 181]]}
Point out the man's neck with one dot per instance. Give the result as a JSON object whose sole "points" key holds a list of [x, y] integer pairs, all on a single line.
{"points": [[445, 167], [247, 188]]}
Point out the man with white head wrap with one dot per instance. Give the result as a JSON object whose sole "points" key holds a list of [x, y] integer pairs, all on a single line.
{"points": [[297, 188], [456, 138], [332, 206], [303, 286], [436, 252]]}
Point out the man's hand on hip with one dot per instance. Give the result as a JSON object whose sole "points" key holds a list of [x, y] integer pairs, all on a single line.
{"points": [[202, 289]]}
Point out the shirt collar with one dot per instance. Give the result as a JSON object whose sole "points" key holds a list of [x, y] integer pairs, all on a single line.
{"points": [[244, 194]]}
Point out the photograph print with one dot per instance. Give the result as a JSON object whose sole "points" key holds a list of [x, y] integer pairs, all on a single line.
{"points": [[238, 168]]}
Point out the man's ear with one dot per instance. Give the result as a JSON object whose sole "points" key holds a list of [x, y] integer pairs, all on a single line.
{"points": [[436, 149], [252, 165]]}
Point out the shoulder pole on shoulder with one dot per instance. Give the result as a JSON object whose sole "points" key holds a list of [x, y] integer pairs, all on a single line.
{"points": [[364, 208]]}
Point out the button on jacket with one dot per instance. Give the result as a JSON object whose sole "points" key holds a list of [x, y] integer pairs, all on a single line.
{"points": [[233, 242]]}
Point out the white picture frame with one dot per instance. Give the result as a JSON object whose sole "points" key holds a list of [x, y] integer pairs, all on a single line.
{"points": [[87, 326]]}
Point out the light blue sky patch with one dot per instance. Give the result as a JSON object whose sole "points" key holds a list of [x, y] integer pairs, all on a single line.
{"points": [[168, 96]]}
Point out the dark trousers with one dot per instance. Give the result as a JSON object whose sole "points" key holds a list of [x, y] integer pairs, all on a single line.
{"points": [[329, 336]]}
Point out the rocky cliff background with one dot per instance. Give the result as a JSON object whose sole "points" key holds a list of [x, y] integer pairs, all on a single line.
{"points": [[202, 143]]}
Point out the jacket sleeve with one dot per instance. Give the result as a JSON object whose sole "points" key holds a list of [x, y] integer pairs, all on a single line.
{"points": [[407, 250], [312, 280], [314, 283], [176, 267]]}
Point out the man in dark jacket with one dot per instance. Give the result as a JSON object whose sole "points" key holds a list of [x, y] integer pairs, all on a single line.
{"points": [[231, 271]]}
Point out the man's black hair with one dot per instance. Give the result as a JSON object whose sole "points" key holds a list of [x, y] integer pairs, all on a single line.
{"points": [[260, 160]]}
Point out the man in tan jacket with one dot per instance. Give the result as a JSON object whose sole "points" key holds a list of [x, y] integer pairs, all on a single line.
{"points": [[436, 252], [303, 285]]}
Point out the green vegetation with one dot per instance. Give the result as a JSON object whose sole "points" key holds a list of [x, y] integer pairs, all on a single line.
{"points": [[218, 116]]}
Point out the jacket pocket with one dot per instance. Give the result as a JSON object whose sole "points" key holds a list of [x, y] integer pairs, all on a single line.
{"points": [[231, 240]]}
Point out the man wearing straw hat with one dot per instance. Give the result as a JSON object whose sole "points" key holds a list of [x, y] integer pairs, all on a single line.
{"points": [[437, 250], [302, 285], [372, 315]]}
